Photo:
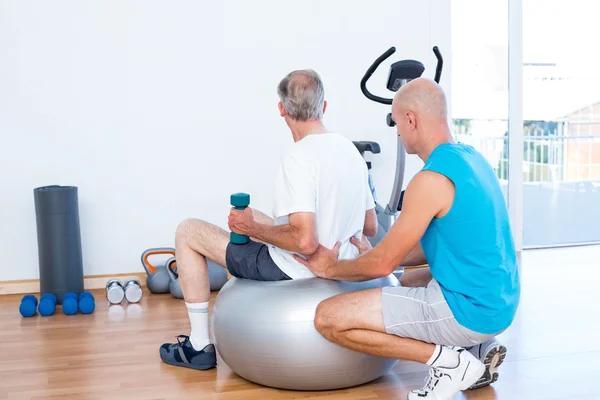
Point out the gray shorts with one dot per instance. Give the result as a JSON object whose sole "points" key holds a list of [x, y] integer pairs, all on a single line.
{"points": [[422, 313], [252, 261]]}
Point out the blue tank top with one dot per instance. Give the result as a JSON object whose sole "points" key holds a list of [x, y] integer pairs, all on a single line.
{"points": [[470, 249]]}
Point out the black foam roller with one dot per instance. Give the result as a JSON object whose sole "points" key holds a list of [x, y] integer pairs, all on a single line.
{"points": [[59, 240]]}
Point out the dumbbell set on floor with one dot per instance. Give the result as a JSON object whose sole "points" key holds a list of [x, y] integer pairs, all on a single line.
{"points": [[117, 291], [71, 304]]}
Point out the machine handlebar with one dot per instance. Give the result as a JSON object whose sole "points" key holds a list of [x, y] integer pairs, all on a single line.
{"points": [[440, 64], [369, 73]]}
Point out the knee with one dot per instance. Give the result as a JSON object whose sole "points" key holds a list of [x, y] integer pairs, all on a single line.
{"points": [[182, 233], [325, 321]]}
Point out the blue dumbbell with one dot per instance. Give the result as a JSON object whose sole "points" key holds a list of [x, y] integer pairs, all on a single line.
{"points": [[240, 201], [47, 304], [87, 304], [28, 305], [69, 304]]}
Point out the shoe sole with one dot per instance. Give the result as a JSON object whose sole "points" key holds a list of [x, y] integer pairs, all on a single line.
{"points": [[493, 359], [201, 367], [192, 366], [481, 368]]}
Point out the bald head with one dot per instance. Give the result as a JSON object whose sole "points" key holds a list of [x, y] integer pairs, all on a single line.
{"points": [[420, 112], [423, 97]]}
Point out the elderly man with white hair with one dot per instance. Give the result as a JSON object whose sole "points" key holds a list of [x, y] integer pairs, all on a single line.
{"points": [[322, 197]]}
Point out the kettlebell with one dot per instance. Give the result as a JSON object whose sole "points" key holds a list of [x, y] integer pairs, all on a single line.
{"points": [[217, 276], [174, 286], [158, 278]]}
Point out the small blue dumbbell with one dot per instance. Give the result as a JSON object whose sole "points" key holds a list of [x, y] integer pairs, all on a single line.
{"points": [[47, 304], [240, 201], [87, 304], [28, 305], [69, 303]]}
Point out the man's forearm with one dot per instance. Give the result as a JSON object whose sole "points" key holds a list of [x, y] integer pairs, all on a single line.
{"points": [[262, 218], [285, 237], [363, 268]]}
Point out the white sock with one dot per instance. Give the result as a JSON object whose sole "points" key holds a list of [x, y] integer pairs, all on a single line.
{"points": [[443, 357], [198, 313]]}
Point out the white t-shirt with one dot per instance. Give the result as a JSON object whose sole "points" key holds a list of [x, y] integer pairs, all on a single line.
{"points": [[324, 174]]}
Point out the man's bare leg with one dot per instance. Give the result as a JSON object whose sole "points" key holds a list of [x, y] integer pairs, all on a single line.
{"points": [[354, 320], [196, 240], [417, 278]]}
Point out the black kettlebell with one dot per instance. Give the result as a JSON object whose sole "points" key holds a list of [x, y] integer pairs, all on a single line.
{"points": [[158, 278]]}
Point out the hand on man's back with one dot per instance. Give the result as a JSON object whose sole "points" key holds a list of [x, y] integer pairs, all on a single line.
{"points": [[363, 245]]}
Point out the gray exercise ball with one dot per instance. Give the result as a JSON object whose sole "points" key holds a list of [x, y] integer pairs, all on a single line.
{"points": [[264, 331]]}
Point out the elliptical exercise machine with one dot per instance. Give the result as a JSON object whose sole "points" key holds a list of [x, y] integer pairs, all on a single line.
{"points": [[401, 72]]}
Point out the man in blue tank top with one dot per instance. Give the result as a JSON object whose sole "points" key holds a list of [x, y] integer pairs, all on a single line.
{"points": [[454, 217]]}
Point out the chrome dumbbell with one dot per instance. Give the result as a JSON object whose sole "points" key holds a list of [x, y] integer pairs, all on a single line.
{"points": [[133, 290], [115, 291]]}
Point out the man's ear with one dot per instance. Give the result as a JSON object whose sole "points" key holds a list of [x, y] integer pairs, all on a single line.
{"points": [[412, 119], [282, 111], [324, 106]]}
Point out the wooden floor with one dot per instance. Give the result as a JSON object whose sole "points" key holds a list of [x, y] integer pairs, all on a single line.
{"points": [[113, 353]]}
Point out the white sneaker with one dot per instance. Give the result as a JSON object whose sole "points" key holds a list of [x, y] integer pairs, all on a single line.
{"points": [[445, 383], [491, 354]]}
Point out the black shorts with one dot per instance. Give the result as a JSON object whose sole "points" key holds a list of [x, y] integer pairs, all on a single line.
{"points": [[252, 261]]}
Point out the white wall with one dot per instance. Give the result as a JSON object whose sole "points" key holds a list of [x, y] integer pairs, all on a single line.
{"points": [[159, 111]]}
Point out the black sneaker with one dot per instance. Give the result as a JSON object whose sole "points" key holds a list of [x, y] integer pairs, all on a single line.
{"points": [[182, 354]]}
